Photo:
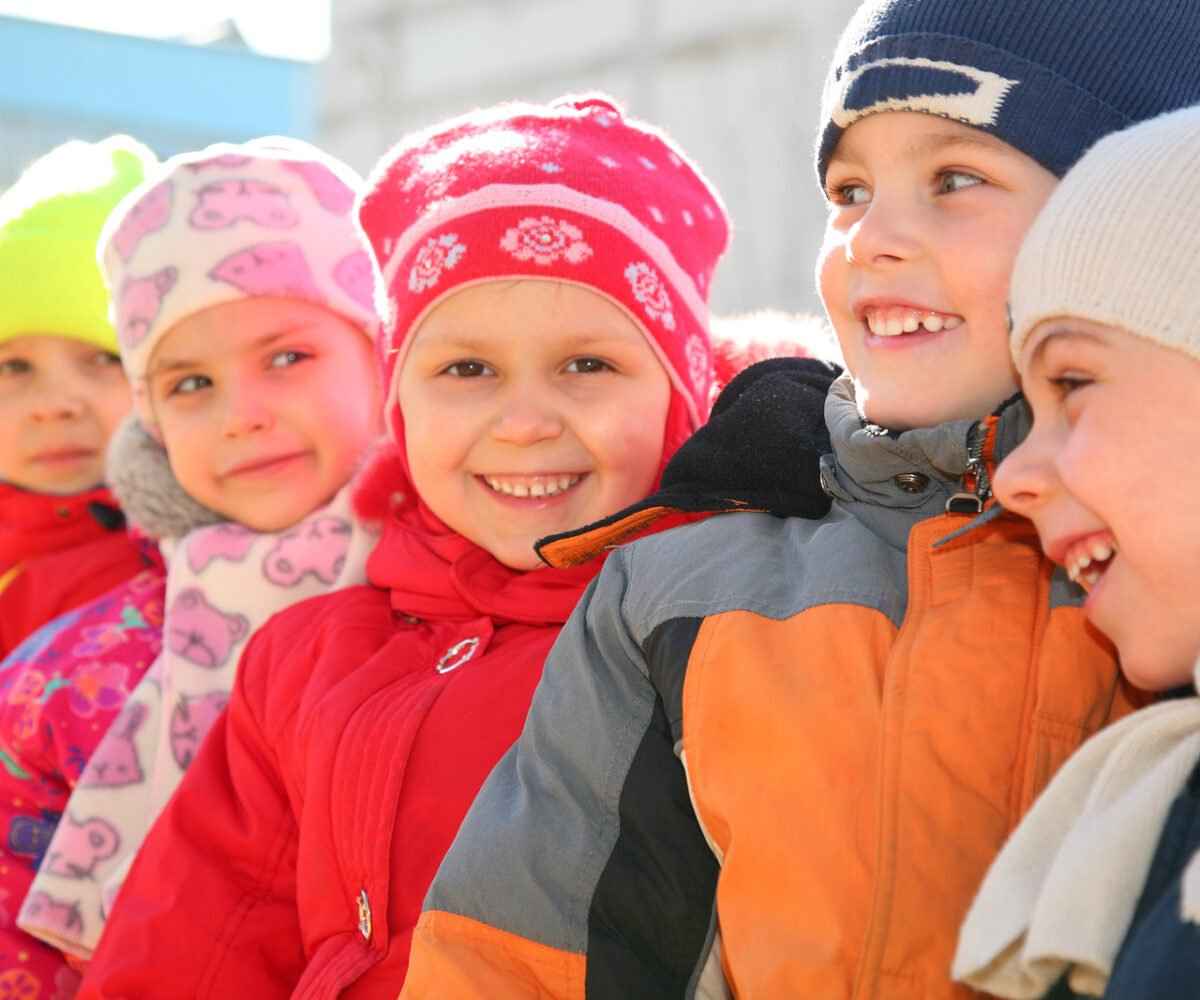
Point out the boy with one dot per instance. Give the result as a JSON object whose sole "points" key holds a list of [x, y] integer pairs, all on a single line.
{"points": [[62, 391], [773, 757], [1107, 343]]}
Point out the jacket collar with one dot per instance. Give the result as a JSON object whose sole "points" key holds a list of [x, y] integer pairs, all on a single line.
{"points": [[33, 524], [893, 479]]}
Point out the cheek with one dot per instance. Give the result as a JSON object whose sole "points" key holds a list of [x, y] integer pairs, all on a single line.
{"points": [[187, 444]]}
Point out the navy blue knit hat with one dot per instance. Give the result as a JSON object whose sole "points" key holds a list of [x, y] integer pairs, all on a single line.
{"points": [[1049, 77]]}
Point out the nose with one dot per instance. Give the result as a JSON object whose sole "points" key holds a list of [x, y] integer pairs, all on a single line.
{"points": [[524, 420], [59, 404], [245, 413], [1028, 478], [887, 233]]}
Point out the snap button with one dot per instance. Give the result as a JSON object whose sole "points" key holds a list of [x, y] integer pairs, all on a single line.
{"points": [[364, 915], [912, 482], [457, 655]]}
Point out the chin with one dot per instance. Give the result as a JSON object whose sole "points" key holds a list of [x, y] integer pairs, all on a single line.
{"points": [[1151, 672]]}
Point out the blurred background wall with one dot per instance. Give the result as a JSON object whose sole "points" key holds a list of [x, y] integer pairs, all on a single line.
{"points": [[737, 82]]}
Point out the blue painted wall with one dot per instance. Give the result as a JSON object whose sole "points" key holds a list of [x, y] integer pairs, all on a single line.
{"points": [[173, 95]]}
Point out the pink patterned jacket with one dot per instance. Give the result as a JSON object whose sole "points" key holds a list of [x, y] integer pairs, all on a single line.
{"points": [[60, 690]]}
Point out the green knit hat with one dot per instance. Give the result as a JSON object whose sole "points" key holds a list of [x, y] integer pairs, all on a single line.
{"points": [[50, 220]]}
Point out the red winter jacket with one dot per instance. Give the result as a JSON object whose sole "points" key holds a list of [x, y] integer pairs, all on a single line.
{"points": [[55, 555], [294, 858]]}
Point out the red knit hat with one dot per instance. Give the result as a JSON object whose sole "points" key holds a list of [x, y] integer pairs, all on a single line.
{"points": [[573, 191]]}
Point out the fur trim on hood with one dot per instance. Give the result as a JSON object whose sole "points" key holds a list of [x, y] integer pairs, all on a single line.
{"points": [[140, 477]]}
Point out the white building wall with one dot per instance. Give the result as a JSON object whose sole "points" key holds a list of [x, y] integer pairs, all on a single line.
{"points": [[737, 82]]}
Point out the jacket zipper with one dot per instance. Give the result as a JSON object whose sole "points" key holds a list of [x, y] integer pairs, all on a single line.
{"points": [[977, 485]]}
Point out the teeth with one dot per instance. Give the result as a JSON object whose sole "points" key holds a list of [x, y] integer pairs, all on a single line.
{"points": [[1087, 561], [532, 486], [894, 322]]}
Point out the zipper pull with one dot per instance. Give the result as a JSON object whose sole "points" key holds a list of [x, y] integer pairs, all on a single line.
{"points": [[977, 487]]}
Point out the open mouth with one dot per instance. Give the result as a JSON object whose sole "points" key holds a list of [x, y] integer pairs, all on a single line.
{"points": [[1090, 558], [897, 321], [533, 487]]}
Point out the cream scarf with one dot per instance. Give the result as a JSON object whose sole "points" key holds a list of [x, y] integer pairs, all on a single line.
{"points": [[1061, 894]]}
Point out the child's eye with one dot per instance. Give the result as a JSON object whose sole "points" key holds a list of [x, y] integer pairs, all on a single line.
{"points": [[588, 366], [1067, 384], [285, 359], [950, 181], [468, 369], [15, 366], [848, 194], [190, 384], [105, 360]]}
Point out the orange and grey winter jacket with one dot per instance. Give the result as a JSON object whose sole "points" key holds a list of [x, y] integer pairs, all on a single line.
{"points": [[773, 757]]}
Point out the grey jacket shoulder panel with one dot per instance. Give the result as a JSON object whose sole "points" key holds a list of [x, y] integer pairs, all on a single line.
{"points": [[774, 567]]}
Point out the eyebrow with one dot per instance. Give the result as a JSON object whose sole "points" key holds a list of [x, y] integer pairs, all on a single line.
{"points": [[264, 340], [1061, 334]]}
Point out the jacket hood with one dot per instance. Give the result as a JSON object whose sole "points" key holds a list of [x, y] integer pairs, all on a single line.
{"points": [[141, 478]]}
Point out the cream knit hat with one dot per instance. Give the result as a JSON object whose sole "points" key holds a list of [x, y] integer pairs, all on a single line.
{"points": [[1118, 242]]}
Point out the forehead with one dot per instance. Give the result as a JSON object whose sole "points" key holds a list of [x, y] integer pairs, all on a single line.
{"points": [[227, 329], [518, 314], [46, 345], [911, 134]]}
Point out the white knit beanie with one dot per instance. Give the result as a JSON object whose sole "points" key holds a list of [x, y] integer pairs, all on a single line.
{"points": [[1118, 242], [268, 217]]}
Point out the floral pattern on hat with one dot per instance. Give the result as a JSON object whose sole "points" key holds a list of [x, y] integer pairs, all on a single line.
{"points": [[439, 253], [649, 290], [546, 240]]}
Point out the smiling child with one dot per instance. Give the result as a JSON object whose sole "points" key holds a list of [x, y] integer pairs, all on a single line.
{"points": [[1098, 890], [242, 298], [546, 272]]}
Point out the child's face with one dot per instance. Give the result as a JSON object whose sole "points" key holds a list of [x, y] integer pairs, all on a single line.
{"points": [[530, 407], [265, 407], [1108, 478], [60, 401], [925, 220]]}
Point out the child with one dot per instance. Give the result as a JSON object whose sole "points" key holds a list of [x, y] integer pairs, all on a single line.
{"points": [[546, 270], [772, 757], [243, 298], [1096, 882], [62, 391]]}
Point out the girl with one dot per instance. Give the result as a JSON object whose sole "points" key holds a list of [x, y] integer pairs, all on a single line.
{"points": [[1099, 886], [62, 391], [242, 295], [546, 272]]}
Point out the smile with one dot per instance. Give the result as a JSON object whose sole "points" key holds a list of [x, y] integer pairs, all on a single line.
{"points": [[1088, 559], [263, 466], [895, 321], [533, 487]]}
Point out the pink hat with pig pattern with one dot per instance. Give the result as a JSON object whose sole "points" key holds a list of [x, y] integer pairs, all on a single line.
{"points": [[270, 217]]}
